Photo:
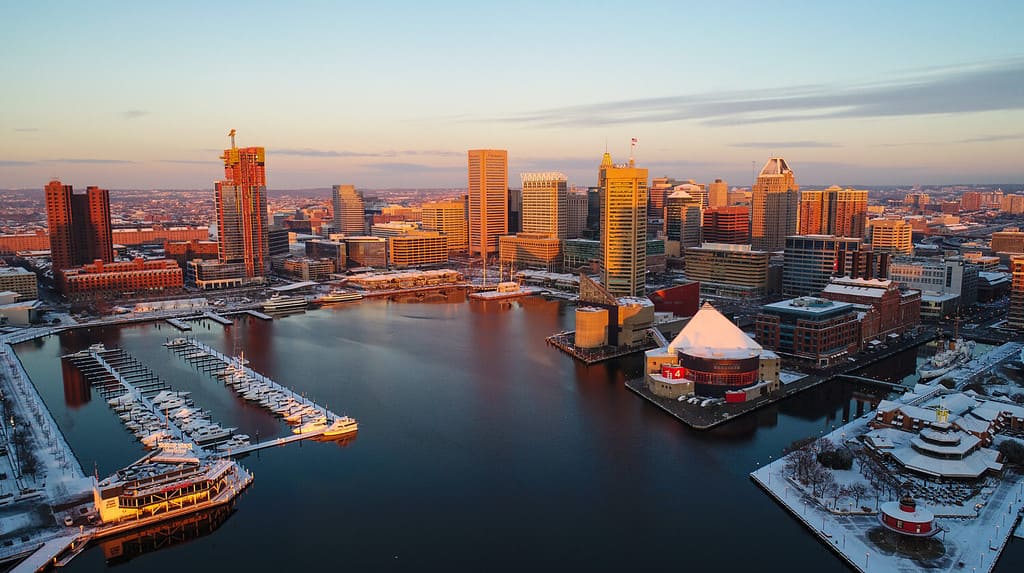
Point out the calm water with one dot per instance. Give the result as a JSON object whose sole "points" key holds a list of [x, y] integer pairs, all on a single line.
{"points": [[480, 448]]}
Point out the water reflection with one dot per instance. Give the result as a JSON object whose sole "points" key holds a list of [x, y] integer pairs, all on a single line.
{"points": [[124, 548]]}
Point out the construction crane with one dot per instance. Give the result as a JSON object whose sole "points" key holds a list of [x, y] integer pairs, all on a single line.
{"points": [[231, 134]]}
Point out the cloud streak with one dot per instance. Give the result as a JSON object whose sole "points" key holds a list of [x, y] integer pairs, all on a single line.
{"points": [[133, 113], [26, 129], [994, 137], [785, 144], [307, 152], [990, 87], [86, 160], [15, 163]]}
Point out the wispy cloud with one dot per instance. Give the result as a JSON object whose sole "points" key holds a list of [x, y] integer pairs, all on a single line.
{"points": [[133, 113], [785, 144], [988, 87], [90, 161], [189, 161], [15, 163], [405, 167], [26, 129], [993, 137], [307, 152]]}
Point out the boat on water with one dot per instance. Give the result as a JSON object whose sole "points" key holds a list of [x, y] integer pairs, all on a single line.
{"points": [[283, 303], [341, 426], [948, 356], [506, 290], [337, 295]]}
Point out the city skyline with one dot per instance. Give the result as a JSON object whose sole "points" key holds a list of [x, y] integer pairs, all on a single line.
{"points": [[869, 96]]}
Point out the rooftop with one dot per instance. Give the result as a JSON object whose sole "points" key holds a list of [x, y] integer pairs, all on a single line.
{"points": [[709, 334]]}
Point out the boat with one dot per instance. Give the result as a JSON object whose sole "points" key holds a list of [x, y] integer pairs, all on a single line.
{"points": [[282, 303], [337, 295], [314, 425], [946, 358], [507, 290], [340, 426]]}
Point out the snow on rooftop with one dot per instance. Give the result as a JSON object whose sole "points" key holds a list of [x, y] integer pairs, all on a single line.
{"points": [[710, 335]]}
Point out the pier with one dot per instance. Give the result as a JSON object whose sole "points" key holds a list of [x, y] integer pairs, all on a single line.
{"points": [[178, 324], [217, 318], [216, 364]]}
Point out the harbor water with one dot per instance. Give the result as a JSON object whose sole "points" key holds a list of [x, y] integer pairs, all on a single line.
{"points": [[480, 447]]}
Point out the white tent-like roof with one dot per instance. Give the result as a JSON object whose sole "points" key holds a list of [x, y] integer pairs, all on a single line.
{"points": [[710, 335]]}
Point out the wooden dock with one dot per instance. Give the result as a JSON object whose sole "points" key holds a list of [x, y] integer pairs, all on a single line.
{"points": [[217, 318], [178, 324]]}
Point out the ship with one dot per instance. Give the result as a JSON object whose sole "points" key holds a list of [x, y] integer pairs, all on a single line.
{"points": [[279, 303], [947, 357], [506, 290], [337, 295]]}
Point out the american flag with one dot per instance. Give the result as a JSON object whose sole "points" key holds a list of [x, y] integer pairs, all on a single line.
{"points": [[635, 141]]}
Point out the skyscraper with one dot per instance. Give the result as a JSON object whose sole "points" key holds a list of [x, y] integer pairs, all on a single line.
{"points": [[833, 211], [545, 204], [813, 213], [349, 212], [488, 199], [576, 219], [810, 261], [449, 219], [1015, 316], [683, 216], [718, 194], [242, 210], [776, 204], [891, 236], [79, 225], [623, 227], [727, 225]]}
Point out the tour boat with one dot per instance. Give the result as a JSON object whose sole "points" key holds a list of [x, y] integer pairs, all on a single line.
{"points": [[279, 303], [337, 295]]}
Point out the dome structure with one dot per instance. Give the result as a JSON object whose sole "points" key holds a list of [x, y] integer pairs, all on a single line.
{"points": [[709, 334]]}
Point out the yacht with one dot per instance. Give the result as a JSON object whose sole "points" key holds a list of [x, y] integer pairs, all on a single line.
{"points": [[337, 295], [312, 425], [281, 303], [343, 425]]}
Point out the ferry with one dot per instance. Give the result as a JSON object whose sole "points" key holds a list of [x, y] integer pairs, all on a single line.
{"points": [[337, 295], [340, 426], [947, 358], [165, 483], [279, 303]]}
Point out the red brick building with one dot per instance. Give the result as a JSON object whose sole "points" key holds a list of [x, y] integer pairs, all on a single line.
{"points": [[729, 225], [182, 251], [79, 225], [104, 280], [897, 310], [38, 241]]}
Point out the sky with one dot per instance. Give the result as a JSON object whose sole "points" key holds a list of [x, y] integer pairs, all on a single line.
{"points": [[141, 95]]}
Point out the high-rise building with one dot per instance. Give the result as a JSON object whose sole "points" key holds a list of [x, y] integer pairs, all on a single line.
{"points": [[728, 270], [1009, 240], [661, 187], [576, 218], [718, 194], [623, 227], [515, 210], [593, 230], [545, 204], [891, 236], [349, 210], [776, 205], [242, 211], [810, 260], [1015, 318], [79, 226], [833, 211], [449, 219], [727, 225], [488, 200], [682, 224]]}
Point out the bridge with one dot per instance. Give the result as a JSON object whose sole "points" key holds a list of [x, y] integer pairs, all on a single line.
{"points": [[896, 387]]}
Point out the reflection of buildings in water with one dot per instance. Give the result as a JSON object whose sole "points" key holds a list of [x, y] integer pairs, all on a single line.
{"points": [[896, 367], [166, 534], [824, 401], [76, 387], [743, 428], [80, 338]]}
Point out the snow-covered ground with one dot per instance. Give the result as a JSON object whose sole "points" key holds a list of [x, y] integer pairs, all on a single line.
{"points": [[788, 377]]}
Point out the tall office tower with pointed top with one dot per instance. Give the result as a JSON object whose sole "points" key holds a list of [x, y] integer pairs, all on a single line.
{"points": [[79, 226], [775, 206], [349, 210], [623, 227], [488, 200], [242, 210]]}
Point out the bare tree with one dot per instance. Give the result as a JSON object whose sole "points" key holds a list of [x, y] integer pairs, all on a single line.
{"points": [[857, 490]]}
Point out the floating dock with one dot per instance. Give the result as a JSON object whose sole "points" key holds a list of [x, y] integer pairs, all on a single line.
{"points": [[214, 363], [217, 318], [178, 324]]}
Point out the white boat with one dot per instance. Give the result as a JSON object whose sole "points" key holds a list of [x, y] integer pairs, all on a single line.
{"points": [[946, 358], [152, 439], [314, 425], [337, 295], [280, 303], [343, 425]]}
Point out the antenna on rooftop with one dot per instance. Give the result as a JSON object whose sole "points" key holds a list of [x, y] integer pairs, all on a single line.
{"points": [[231, 134]]}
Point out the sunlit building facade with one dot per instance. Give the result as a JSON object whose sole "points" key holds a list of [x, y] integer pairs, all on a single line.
{"points": [[242, 211], [79, 225], [488, 200], [349, 210], [775, 206], [449, 219], [623, 227]]}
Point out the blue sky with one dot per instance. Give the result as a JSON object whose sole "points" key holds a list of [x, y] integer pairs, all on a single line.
{"points": [[392, 94]]}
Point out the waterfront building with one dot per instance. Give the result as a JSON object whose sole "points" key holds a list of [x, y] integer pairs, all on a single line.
{"points": [[103, 280], [728, 270], [623, 227], [393, 229], [810, 260], [936, 277], [905, 518], [711, 357], [158, 234], [727, 225], [682, 225], [418, 248], [449, 219], [405, 279], [898, 310], [1015, 316], [578, 253], [326, 249], [20, 281], [816, 330], [1008, 241], [349, 210], [680, 300], [183, 251], [79, 226], [214, 275], [576, 214], [776, 203], [718, 194], [603, 319], [308, 269], [531, 251], [22, 313], [366, 252], [891, 235], [488, 200], [242, 211]]}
